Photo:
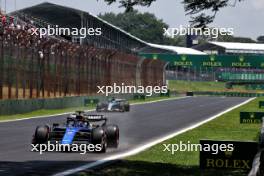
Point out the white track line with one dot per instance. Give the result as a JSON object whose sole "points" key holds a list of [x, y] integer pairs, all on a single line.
{"points": [[148, 145], [53, 115]]}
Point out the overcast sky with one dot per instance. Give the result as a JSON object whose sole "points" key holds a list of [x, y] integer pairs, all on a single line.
{"points": [[247, 18]]}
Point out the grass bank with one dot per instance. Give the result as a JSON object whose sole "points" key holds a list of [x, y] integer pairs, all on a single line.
{"points": [[155, 162], [184, 86]]}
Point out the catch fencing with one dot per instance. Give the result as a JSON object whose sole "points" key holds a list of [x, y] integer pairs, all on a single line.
{"points": [[41, 68]]}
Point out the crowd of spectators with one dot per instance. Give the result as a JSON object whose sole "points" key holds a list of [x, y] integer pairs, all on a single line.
{"points": [[79, 68]]}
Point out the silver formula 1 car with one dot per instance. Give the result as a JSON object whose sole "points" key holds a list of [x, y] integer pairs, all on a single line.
{"points": [[113, 105]]}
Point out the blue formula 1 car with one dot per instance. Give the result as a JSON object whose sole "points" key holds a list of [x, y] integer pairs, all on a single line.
{"points": [[80, 128], [113, 105]]}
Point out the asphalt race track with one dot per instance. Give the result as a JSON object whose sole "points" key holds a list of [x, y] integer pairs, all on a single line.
{"points": [[143, 124]]}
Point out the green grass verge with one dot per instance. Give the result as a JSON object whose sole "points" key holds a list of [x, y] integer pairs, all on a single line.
{"points": [[183, 86], [154, 161], [45, 112]]}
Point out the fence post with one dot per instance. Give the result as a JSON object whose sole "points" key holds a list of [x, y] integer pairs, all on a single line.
{"points": [[1, 65]]}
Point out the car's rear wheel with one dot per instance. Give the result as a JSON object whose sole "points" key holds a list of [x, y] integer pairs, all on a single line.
{"points": [[41, 134], [122, 107], [112, 134], [127, 107], [99, 137]]}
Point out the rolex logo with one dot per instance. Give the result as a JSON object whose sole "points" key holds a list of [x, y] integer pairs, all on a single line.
{"points": [[252, 115], [183, 58], [155, 57], [241, 59], [212, 58], [228, 153]]}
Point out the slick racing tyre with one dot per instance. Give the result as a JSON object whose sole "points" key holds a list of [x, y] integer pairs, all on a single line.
{"points": [[112, 134], [41, 134], [99, 137], [98, 107], [127, 107]]}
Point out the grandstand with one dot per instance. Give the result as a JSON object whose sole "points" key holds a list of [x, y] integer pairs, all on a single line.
{"points": [[34, 67], [112, 37], [231, 48]]}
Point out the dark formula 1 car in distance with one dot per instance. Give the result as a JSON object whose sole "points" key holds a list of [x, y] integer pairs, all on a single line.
{"points": [[113, 105], [80, 128]]}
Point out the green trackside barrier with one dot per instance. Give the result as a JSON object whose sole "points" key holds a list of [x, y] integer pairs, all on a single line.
{"points": [[9, 107], [139, 97], [136, 97], [165, 94], [89, 101], [261, 104], [142, 97]]}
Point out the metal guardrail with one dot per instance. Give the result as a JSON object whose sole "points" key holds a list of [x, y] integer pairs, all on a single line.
{"points": [[258, 163]]}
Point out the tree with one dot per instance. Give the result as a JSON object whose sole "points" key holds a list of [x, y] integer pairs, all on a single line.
{"points": [[204, 11], [260, 39], [142, 25]]}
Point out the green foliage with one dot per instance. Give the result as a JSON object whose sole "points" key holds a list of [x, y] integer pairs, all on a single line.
{"points": [[142, 25], [260, 39], [204, 11]]}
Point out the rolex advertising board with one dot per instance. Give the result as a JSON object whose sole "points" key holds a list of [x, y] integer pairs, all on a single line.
{"points": [[251, 117], [201, 61], [230, 155]]}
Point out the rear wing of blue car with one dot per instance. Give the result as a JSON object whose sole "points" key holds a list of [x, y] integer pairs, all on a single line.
{"points": [[88, 117]]}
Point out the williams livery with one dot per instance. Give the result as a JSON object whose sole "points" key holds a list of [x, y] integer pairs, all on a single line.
{"points": [[80, 128], [113, 105]]}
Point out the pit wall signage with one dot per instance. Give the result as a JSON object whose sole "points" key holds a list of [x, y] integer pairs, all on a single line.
{"points": [[241, 63], [207, 61], [240, 158], [212, 62], [251, 117], [183, 61]]}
